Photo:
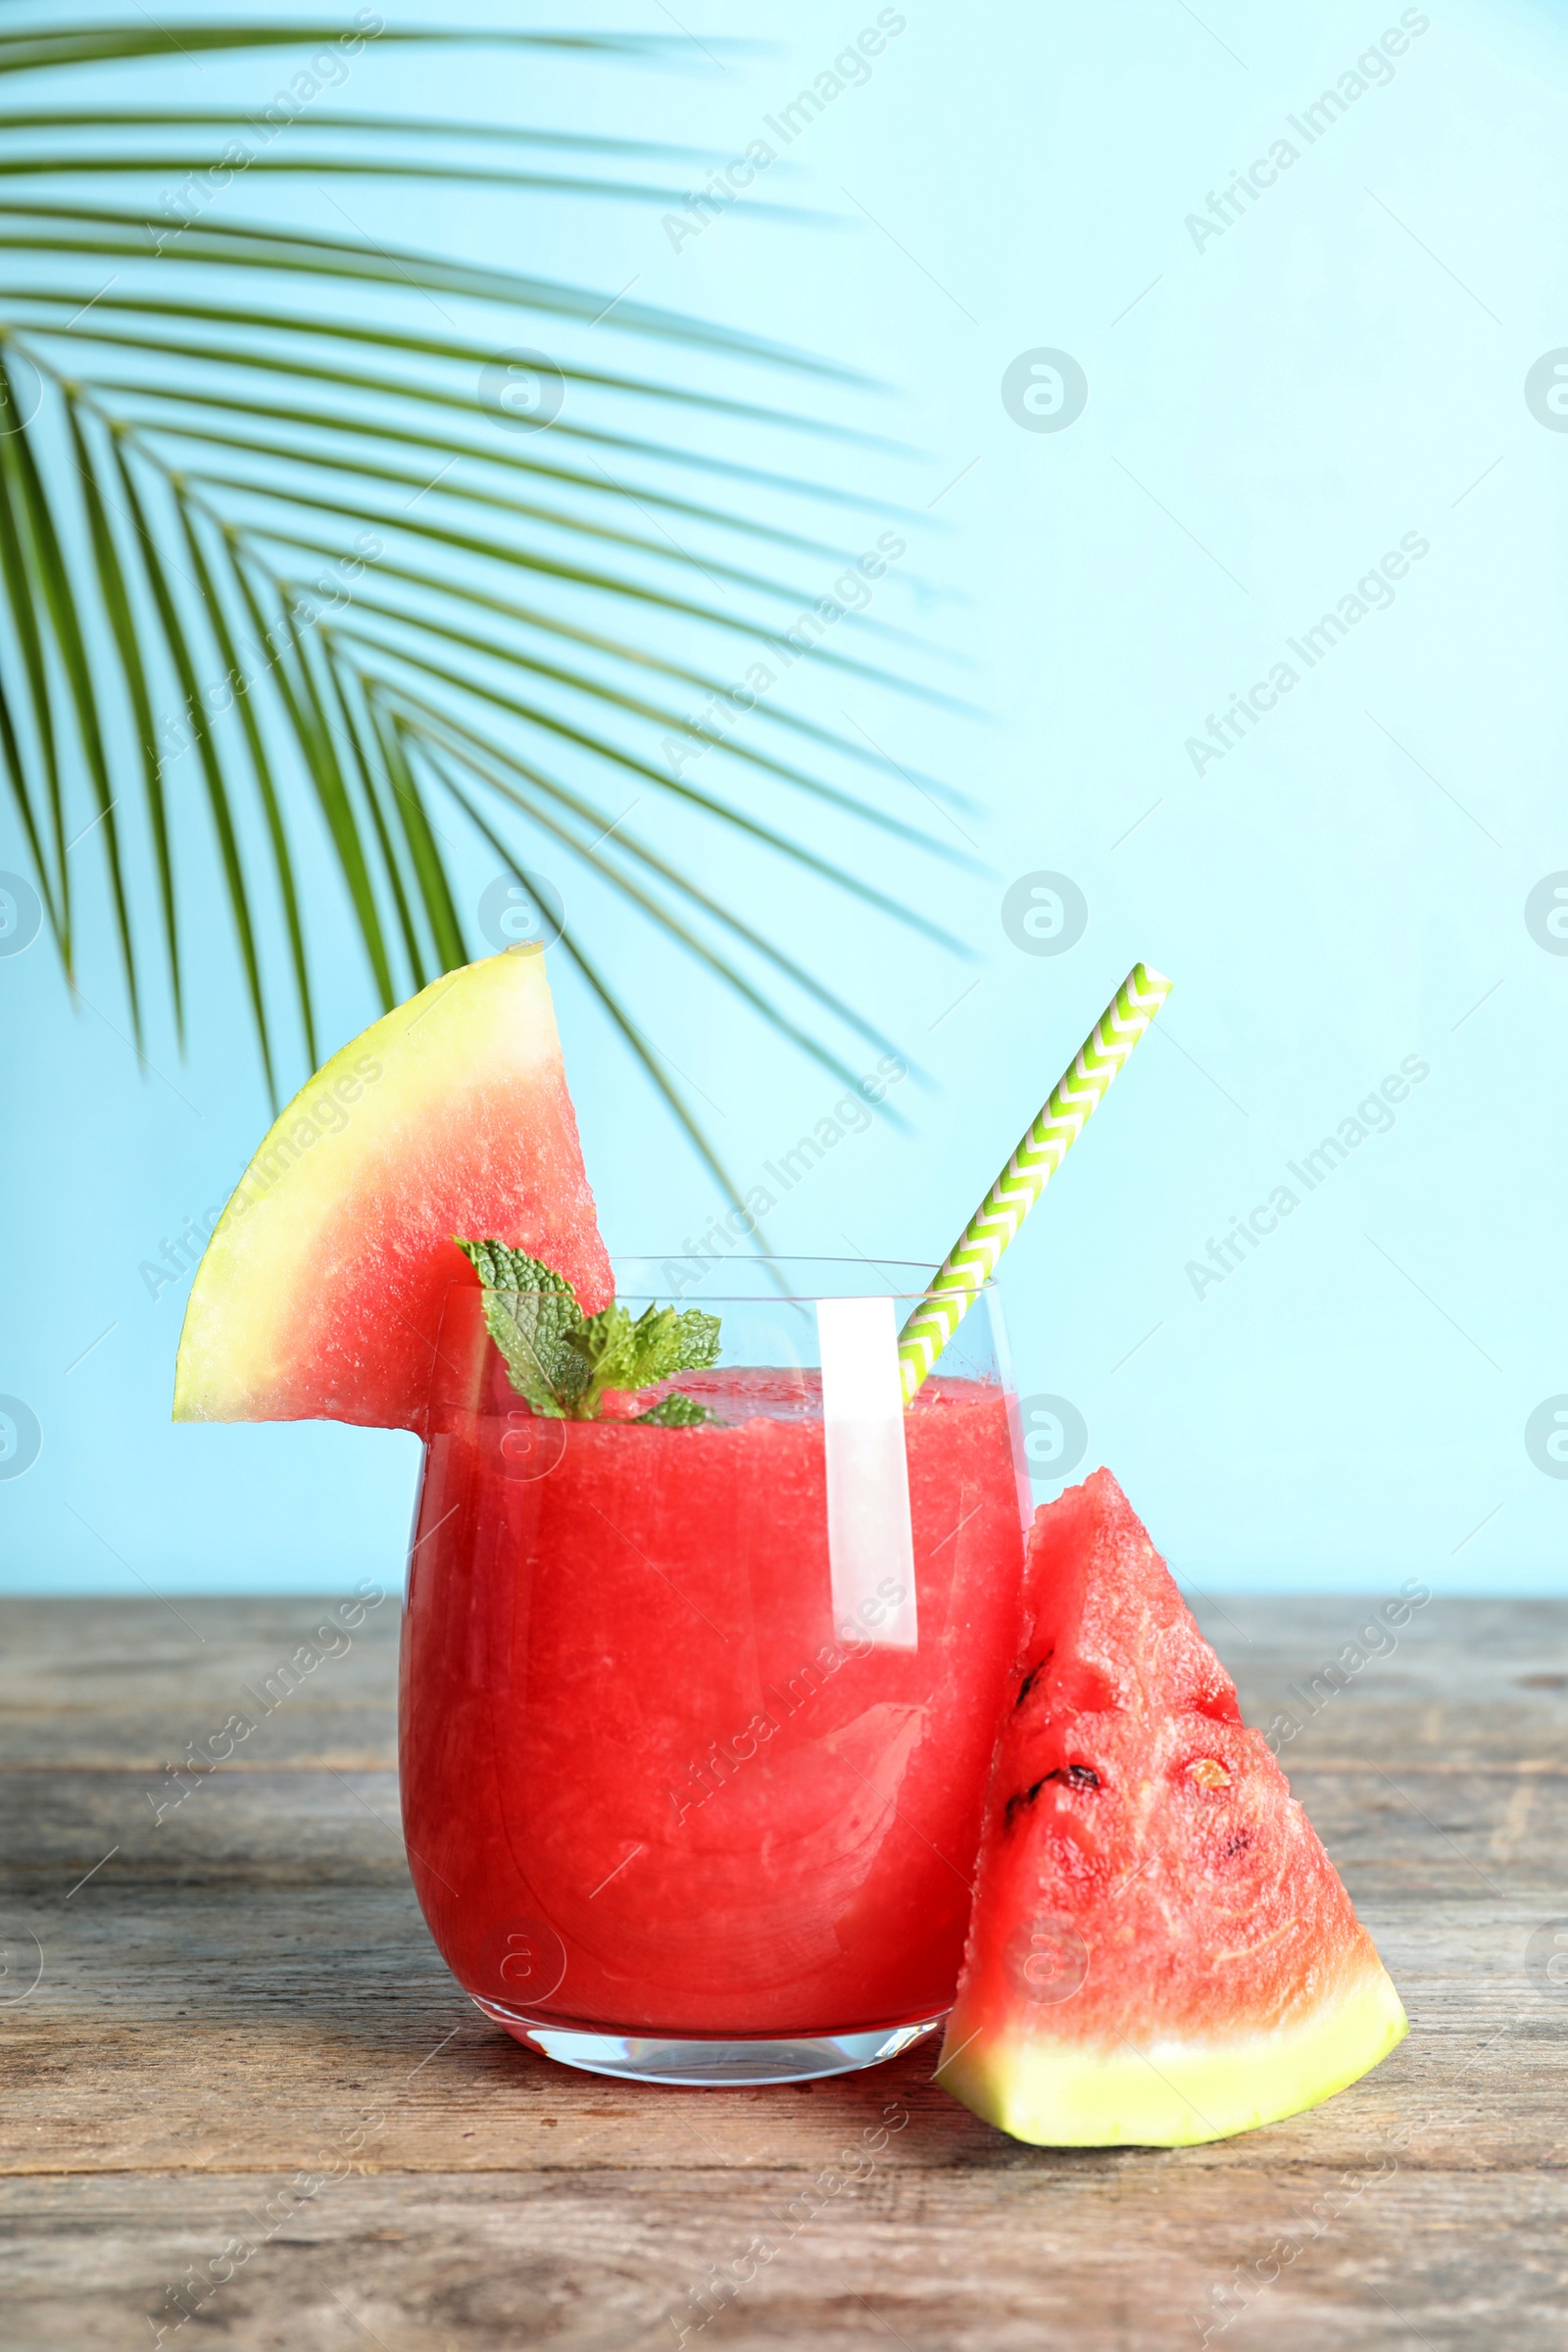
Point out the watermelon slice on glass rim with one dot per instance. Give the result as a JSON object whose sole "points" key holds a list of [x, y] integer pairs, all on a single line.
{"points": [[1160, 1951], [321, 1292]]}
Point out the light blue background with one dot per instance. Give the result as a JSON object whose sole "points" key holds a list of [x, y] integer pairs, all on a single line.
{"points": [[1266, 416]]}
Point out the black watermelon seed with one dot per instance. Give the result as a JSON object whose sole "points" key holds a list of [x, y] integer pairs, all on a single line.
{"points": [[1076, 1776], [1033, 1676]]}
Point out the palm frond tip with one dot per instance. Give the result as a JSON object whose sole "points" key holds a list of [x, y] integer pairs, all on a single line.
{"points": [[159, 604]]}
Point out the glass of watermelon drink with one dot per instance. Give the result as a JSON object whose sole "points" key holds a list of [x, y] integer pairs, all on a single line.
{"points": [[695, 1720]]}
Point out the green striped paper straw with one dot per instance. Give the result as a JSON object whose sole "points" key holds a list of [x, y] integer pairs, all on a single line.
{"points": [[973, 1259]]}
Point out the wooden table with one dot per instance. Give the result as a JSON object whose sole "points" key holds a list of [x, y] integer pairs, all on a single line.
{"points": [[228, 1991]]}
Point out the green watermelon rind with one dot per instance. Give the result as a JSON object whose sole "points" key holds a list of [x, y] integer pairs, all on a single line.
{"points": [[1053, 2092]]}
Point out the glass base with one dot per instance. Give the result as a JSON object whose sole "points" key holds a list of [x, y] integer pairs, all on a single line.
{"points": [[715, 2061]]}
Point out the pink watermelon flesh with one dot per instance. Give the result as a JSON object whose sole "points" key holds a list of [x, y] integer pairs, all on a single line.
{"points": [[503, 1165], [1161, 1950]]}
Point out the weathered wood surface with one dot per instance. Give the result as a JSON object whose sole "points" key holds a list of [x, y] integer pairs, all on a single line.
{"points": [[236, 1985]]}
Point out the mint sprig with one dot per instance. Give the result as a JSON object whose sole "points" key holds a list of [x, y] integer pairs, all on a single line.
{"points": [[676, 1412], [564, 1362]]}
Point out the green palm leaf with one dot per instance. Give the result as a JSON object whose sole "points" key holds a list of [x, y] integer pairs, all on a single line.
{"points": [[256, 515]]}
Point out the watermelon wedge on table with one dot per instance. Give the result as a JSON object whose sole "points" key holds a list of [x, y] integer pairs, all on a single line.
{"points": [[1160, 1951], [321, 1293]]}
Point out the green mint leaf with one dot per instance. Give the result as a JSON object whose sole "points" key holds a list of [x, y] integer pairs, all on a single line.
{"points": [[676, 1412], [623, 1354], [502, 1268], [669, 1342], [564, 1360], [513, 1334], [700, 1342], [606, 1347], [531, 1313], [656, 1350]]}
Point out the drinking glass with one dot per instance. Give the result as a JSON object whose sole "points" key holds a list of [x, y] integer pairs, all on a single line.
{"points": [[696, 1721]]}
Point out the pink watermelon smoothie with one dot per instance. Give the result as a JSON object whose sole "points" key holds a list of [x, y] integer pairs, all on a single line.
{"points": [[648, 1785]]}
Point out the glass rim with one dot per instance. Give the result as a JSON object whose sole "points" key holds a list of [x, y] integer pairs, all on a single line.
{"points": [[632, 1284]]}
